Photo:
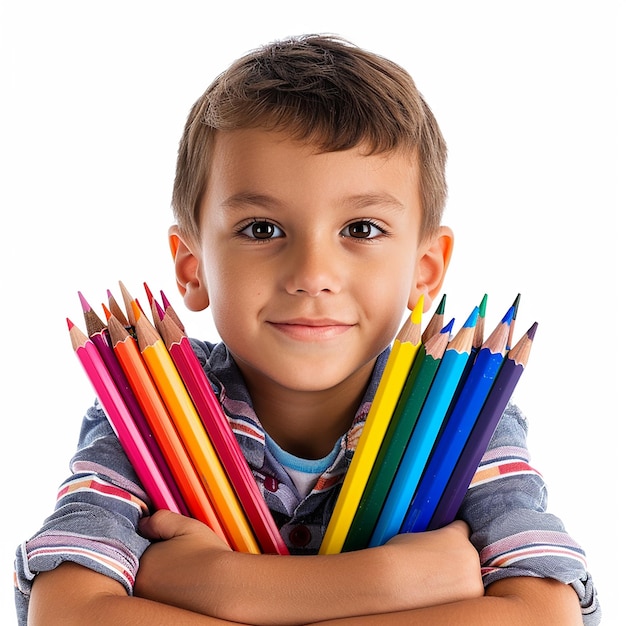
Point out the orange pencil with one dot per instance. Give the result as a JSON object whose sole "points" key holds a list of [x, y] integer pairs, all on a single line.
{"points": [[193, 434], [156, 413]]}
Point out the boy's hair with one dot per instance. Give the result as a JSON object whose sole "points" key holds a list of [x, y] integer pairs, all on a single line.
{"points": [[321, 89]]}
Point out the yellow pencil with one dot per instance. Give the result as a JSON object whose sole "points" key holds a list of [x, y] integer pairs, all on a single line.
{"points": [[401, 357], [193, 434]]}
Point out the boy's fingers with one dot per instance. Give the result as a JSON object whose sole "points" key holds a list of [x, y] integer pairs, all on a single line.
{"points": [[165, 525], [461, 526]]}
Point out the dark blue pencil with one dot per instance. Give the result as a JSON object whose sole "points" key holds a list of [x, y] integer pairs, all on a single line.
{"points": [[458, 428], [510, 372]]}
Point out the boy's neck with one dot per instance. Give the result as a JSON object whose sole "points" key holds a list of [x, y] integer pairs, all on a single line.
{"points": [[308, 424]]}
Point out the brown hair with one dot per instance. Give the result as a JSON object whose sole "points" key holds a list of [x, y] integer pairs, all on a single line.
{"points": [[321, 89]]}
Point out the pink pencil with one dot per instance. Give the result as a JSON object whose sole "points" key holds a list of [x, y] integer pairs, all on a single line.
{"points": [[121, 420]]}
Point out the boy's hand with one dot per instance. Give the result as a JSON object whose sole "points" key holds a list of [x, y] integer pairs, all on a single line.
{"points": [[439, 566], [178, 543]]}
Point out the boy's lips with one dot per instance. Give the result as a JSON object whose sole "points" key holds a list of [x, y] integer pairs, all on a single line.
{"points": [[311, 329]]}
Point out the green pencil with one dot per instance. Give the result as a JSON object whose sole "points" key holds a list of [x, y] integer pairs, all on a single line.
{"points": [[396, 438]]}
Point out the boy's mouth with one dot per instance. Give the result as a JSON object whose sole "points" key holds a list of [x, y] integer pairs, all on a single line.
{"points": [[311, 329]]}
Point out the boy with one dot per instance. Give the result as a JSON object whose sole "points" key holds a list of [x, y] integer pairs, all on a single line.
{"points": [[308, 198]]}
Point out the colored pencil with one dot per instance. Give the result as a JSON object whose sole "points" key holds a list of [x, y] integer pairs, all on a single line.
{"points": [[436, 322], [98, 333], [424, 434], [222, 436], [128, 304], [187, 480], [512, 328], [457, 428], [479, 333], [168, 308], [396, 438], [193, 434], [401, 357], [121, 420], [508, 376], [116, 310]]}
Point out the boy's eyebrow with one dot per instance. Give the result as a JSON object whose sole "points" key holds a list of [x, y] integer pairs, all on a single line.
{"points": [[358, 201]]}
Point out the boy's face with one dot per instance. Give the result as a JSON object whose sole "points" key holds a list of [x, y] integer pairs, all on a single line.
{"points": [[308, 260]]}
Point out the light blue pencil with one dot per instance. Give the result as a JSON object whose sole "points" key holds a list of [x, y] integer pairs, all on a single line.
{"points": [[458, 428], [425, 433]]}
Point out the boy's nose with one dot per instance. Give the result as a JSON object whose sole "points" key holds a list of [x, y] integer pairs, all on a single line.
{"points": [[313, 269]]}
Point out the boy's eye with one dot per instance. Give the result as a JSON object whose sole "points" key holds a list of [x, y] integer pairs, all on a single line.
{"points": [[362, 230], [261, 230]]}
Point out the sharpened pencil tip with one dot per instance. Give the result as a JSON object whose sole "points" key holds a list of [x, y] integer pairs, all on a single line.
{"points": [[448, 327], [483, 306], [416, 315], [166, 302], [83, 302], [148, 293], [532, 330], [472, 319], [508, 318], [137, 312], [516, 305], [442, 305], [70, 324]]}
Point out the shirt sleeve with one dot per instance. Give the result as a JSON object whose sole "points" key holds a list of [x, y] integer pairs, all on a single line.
{"points": [[506, 509], [94, 522]]}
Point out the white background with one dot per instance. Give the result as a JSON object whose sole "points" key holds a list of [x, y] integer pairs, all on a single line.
{"points": [[93, 101]]}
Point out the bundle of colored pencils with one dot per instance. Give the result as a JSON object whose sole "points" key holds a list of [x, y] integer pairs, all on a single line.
{"points": [[167, 418], [437, 406]]}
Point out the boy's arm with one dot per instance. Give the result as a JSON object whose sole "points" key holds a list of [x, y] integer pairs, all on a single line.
{"points": [[75, 595], [192, 568], [523, 601]]}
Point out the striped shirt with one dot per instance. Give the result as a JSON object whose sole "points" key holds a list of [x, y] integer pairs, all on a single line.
{"points": [[95, 519]]}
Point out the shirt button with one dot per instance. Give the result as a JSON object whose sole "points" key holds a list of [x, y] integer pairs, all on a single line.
{"points": [[271, 484], [300, 536]]}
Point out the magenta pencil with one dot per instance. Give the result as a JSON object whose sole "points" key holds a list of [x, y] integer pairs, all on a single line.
{"points": [[121, 420]]}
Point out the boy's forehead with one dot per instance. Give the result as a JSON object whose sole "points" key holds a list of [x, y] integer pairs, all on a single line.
{"points": [[261, 168], [253, 143]]}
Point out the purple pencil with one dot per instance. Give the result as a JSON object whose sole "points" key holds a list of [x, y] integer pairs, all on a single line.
{"points": [[486, 423]]}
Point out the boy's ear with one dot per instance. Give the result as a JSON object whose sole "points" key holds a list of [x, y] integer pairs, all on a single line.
{"points": [[431, 267], [188, 269]]}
